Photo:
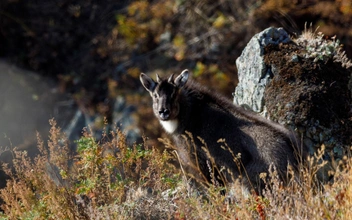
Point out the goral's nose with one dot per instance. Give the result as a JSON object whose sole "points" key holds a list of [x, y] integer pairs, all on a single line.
{"points": [[164, 114]]}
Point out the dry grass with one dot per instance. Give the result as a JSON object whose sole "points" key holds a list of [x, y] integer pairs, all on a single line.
{"points": [[107, 179]]}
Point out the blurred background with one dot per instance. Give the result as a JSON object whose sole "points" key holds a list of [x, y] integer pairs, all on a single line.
{"points": [[79, 61]]}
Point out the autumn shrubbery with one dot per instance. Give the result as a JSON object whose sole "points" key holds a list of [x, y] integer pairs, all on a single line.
{"points": [[107, 179], [103, 178]]}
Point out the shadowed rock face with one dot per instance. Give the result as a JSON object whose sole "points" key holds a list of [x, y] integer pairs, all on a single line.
{"points": [[28, 101]]}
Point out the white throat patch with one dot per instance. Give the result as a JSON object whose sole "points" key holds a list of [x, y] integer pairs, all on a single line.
{"points": [[170, 126]]}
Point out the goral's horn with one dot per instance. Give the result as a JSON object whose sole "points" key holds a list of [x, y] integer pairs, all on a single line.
{"points": [[171, 78]]}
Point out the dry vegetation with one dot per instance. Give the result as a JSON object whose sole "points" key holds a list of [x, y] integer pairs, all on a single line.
{"points": [[107, 179]]}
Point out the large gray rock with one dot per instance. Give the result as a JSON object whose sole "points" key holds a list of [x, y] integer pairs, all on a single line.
{"points": [[253, 75], [309, 94]]}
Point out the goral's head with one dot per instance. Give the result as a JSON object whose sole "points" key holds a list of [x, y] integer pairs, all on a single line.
{"points": [[165, 94]]}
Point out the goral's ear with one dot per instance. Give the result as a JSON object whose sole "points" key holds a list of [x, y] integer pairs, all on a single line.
{"points": [[181, 79], [148, 83]]}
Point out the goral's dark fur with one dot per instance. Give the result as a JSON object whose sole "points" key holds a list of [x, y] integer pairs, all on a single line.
{"points": [[207, 117]]}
